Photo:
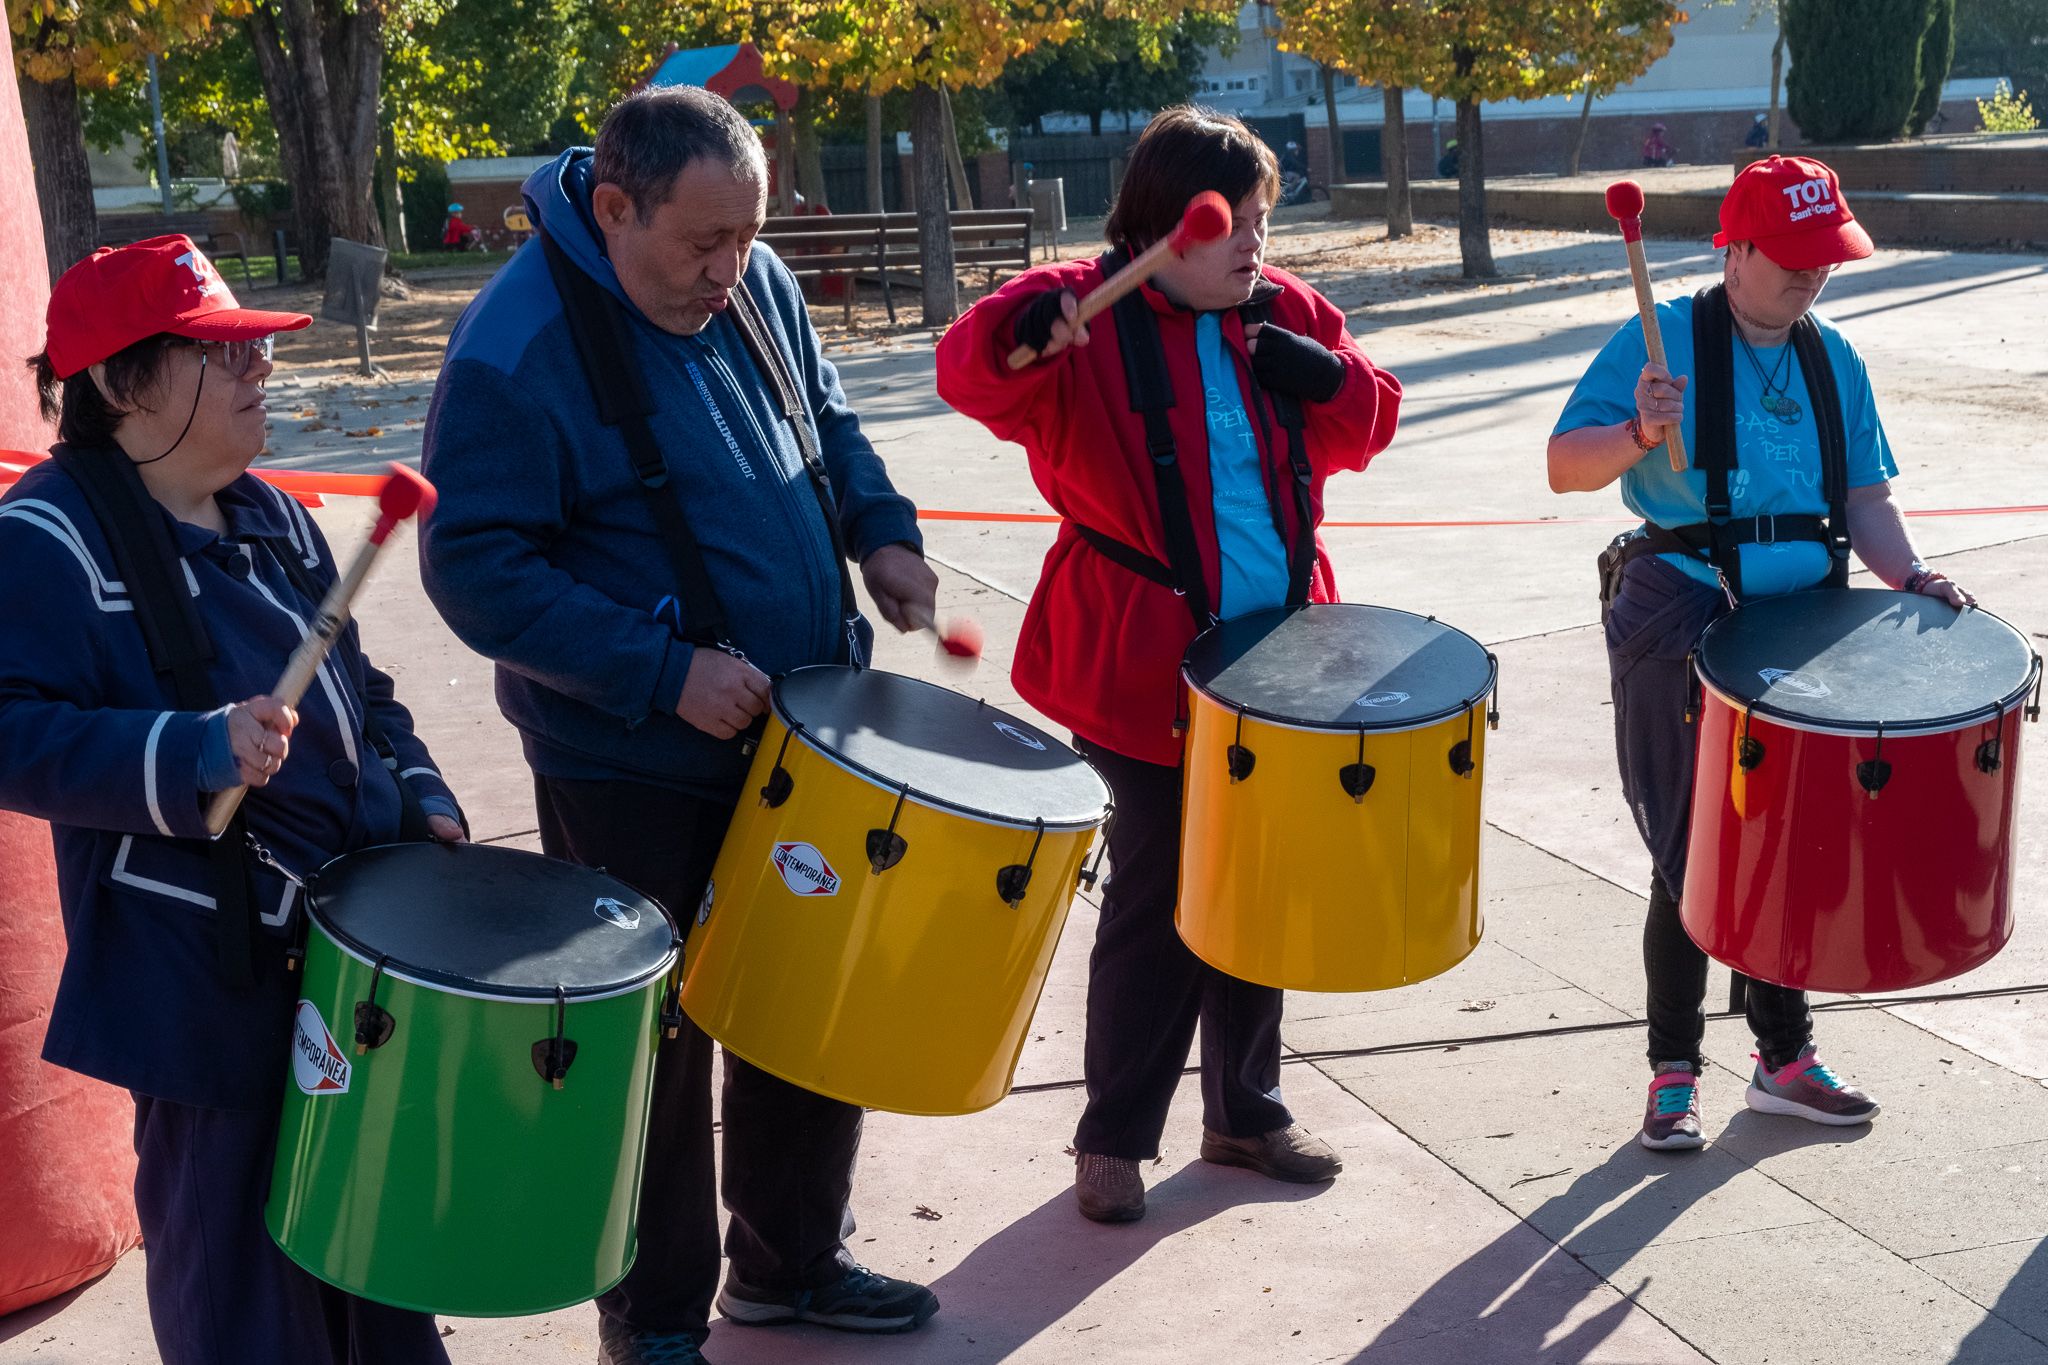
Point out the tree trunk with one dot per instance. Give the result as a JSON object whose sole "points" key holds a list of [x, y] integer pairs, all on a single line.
{"points": [[56, 148], [956, 168], [877, 201], [810, 161], [1337, 176], [785, 162], [322, 73], [394, 196], [1394, 163], [934, 226], [1777, 77], [1475, 246], [1579, 136]]}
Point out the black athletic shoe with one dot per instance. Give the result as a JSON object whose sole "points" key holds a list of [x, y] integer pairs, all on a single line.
{"points": [[861, 1301]]}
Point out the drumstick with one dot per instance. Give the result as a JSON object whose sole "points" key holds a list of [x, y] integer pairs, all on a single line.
{"points": [[405, 494], [1206, 219], [1625, 206], [961, 639]]}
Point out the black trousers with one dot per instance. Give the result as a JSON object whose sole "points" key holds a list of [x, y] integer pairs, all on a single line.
{"points": [[1652, 626], [788, 1152], [220, 1292], [1146, 989]]}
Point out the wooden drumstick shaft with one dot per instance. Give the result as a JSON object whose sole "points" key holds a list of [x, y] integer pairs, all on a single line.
{"points": [[405, 494], [1142, 267], [1653, 337]]}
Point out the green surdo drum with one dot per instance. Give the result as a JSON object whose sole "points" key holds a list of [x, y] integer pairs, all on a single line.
{"points": [[472, 1057]]}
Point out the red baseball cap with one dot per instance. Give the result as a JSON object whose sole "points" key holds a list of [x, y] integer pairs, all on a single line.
{"points": [[120, 295], [1792, 208]]}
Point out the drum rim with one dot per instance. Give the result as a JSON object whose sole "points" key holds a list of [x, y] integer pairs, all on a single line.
{"points": [[1930, 725], [918, 796], [449, 983], [1351, 727]]}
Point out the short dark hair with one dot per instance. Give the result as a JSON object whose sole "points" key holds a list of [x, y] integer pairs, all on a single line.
{"points": [[652, 134], [84, 415], [1183, 151]]}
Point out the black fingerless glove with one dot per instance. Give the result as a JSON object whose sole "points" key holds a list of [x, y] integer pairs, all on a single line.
{"points": [[1033, 325], [1297, 365]]}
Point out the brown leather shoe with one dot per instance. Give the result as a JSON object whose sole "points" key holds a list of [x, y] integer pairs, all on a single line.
{"points": [[1292, 1153], [1108, 1188]]}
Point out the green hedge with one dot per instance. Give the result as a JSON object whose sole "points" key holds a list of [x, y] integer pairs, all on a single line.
{"points": [[1857, 69]]}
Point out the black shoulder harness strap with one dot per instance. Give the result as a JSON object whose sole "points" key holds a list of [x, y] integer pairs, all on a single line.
{"points": [[1720, 537], [1152, 398], [178, 645], [604, 344]]}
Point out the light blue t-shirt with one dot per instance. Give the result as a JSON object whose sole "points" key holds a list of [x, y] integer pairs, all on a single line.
{"points": [[1777, 462], [1254, 560]]}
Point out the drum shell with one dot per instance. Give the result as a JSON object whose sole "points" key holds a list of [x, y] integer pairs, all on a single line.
{"points": [[450, 1177], [1287, 880], [1797, 876], [908, 990]]}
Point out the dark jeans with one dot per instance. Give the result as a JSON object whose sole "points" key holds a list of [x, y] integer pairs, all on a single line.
{"points": [[788, 1152], [220, 1292], [1652, 626], [1146, 989]]}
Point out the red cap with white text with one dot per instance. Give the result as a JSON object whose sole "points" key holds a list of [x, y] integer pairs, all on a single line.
{"points": [[1792, 208]]}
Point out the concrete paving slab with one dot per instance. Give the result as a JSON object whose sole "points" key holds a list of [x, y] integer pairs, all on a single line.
{"points": [[2010, 1281], [1810, 1295], [1932, 1204]]}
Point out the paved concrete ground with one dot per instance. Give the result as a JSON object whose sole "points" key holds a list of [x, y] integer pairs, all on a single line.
{"points": [[1495, 1208]]}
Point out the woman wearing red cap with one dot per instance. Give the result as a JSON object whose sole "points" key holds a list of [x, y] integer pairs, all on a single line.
{"points": [[1750, 353], [169, 586], [1273, 397]]}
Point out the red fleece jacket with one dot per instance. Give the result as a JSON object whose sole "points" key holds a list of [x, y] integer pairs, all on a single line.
{"points": [[1101, 647]]}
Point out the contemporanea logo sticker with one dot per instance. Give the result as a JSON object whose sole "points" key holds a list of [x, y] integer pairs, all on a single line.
{"points": [[804, 870], [317, 1061]]}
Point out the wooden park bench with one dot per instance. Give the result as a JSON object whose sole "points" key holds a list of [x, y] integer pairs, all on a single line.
{"points": [[882, 247], [125, 229]]}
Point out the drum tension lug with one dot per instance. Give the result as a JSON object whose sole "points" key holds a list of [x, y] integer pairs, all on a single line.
{"points": [[373, 1022], [885, 846], [780, 784], [1356, 778], [1013, 881], [552, 1057], [1749, 753], [1091, 871], [1461, 752], [1240, 759], [1493, 698], [1988, 758], [1874, 772]]}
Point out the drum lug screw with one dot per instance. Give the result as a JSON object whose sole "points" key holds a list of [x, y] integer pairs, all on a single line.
{"points": [[1091, 871], [1749, 753], [552, 1056], [1874, 772], [1461, 758], [1988, 758], [885, 846], [1240, 759], [1013, 881], [1357, 780], [374, 1023], [780, 784]]}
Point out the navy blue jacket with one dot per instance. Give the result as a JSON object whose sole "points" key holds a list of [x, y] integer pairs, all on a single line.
{"points": [[543, 553], [91, 741]]}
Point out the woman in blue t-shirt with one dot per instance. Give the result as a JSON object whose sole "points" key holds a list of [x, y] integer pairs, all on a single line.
{"points": [[1785, 227]]}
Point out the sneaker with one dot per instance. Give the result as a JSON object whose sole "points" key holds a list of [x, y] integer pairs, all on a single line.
{"points": [[1805, 1088], [1671, 1120], [860, 1301], [1292, 1153], [618, 1344], [1108, 1188]]}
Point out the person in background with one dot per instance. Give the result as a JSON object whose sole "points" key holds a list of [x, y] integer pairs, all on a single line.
{"points": [[1656, 151]]}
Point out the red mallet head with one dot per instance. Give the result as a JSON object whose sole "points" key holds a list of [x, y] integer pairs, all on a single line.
{"points": [[405, 494], [962, 638], [1625, 206], [1207, 218]]}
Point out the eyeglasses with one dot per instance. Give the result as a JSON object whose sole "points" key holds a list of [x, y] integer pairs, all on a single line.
{"points": [[236, 357]]}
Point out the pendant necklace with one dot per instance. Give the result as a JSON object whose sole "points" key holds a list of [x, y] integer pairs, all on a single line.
{"points": [[1776, 401]]}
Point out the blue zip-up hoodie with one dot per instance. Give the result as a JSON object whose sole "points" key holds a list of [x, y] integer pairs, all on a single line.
{"points": [[543, 552]]}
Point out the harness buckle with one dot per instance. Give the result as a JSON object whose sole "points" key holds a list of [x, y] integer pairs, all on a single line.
{"points": [[1767, 528]]}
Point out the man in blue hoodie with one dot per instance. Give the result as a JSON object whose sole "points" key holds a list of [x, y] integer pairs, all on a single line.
{"points": [[634, 646]]}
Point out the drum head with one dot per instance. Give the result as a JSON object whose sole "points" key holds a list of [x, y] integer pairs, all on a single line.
{"points": [[1849, 659], [951, 750], [493, 922], [1340, 666]]}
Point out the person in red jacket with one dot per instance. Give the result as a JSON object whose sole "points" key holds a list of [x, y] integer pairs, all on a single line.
{"points": [[1184, 437]]}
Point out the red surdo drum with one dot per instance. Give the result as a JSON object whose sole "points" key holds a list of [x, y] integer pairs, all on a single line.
{"points": [[1854, 807]]}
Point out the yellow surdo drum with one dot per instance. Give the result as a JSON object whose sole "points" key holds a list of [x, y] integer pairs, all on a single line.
{"points": [[1330, 832], [881, 918]]}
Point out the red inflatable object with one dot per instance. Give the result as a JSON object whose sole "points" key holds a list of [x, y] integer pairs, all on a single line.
{"points": [[1854, 808], [66, 1159]]}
